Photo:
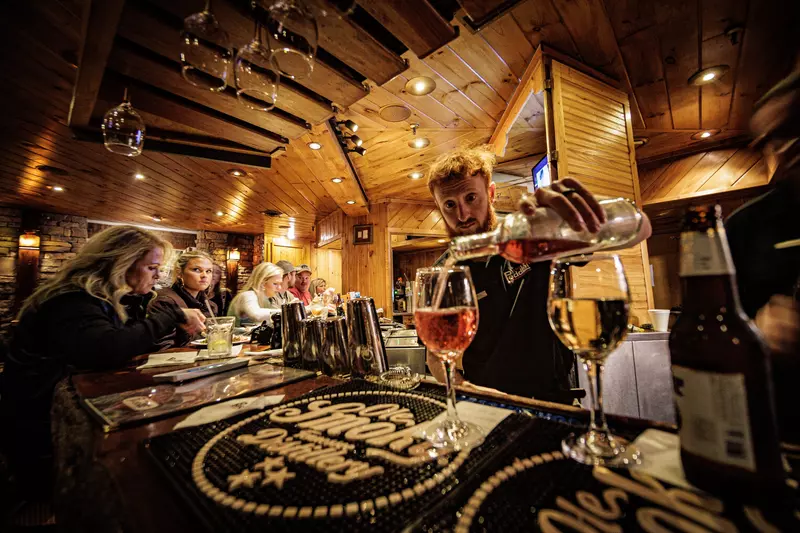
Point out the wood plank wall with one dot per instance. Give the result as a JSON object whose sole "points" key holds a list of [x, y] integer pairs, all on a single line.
{"points": [[405, 264], [326, 263], [594, 140], [330, 228], [367, 267], [702, 174]]}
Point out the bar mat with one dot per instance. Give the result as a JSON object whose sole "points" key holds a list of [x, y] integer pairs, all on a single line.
{"points": [[278, 469], [528, 489]]}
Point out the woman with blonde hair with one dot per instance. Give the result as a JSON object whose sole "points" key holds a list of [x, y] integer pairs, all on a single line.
{"points": [[317, 287], [90, 316], [192, 273], [252, 303]]}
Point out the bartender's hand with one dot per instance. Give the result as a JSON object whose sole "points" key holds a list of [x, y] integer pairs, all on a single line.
{"points": [[570, 199], [779, 321], [195, 321]]}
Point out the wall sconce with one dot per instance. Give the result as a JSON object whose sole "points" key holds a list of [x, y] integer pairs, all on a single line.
{"points": [[233, 254], [29, 241]]}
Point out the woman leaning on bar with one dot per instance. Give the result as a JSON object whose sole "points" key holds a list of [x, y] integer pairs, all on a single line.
{"points": [[192, 273], [253, 303], [90, 316]]}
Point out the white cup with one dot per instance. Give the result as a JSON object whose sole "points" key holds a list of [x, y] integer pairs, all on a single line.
{"points": [[660, 319]]}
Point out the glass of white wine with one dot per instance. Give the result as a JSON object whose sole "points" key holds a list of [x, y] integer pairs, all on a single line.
{"points": [[589, 308]]}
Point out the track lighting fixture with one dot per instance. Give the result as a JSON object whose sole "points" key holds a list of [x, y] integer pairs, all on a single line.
{"points": [[349, 124]]}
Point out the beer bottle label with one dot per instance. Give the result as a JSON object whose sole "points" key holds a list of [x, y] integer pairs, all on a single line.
{"points": [[714, 420], [705, 254]]}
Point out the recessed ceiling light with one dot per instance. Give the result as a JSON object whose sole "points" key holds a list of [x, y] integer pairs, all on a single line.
{"points": [[640, 141], [156, 218], [238, 172], [139, 176], [337, 180], [314, 145], [419, 142], [394, 113], [219, 213], [58, 188], [708, 75], [420, 86], [350, 202], [415, 175], [700, 135], [442, 240]]}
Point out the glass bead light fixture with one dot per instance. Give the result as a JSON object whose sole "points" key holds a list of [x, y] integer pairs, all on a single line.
{"points": [[123, 129]]}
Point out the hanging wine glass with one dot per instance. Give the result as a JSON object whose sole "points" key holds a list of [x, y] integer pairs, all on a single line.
{"points": [[205, 51], [257, 76], [123, 129], [293, 38]]}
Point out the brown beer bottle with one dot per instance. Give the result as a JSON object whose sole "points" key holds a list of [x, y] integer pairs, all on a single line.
{"points": [[721, 374]]}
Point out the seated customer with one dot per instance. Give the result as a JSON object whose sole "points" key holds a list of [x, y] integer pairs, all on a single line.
{"points": [[192, 272], [284, 296], [301, 284], [317, 287], [216, 293], [252, 304], [90, 316]]}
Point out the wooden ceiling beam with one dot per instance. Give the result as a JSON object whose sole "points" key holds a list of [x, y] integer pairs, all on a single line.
{"points": [[126, 60], [416, 23], [159, 32], [346, 170], [177, 109], [180, 148], [484, 11], [100, 21], [346, 41], [326, 80], [532, 81]]}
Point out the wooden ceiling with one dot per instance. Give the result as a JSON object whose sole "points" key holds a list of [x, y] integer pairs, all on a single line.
{"points": [[650, 46]]}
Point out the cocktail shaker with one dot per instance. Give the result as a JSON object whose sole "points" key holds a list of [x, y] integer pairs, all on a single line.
{"points": [[291, 316], [365, 344]]}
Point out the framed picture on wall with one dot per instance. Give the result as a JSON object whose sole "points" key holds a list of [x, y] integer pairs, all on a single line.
{"points": [[362, 234]]}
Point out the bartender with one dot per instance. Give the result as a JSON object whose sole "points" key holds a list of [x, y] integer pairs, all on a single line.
{"points": [[515, 349]]}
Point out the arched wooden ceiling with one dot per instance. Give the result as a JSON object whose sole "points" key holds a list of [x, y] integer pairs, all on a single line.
{"points": [[650, 46]]}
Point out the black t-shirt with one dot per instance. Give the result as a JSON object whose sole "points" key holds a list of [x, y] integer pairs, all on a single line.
{"points": [[762, 270], [515, 349]]}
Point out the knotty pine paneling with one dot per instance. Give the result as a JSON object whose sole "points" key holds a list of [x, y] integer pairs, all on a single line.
{"points": [[365, 267], [703, 174], [326, 263], [330, 228], [594, 139]]}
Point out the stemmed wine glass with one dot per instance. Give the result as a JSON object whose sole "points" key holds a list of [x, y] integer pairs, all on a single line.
{"points": [[293, 38], [446, 316], [589, 307], [257, 76], [205, 51]]}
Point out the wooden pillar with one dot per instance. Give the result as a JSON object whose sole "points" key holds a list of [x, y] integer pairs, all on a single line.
{"points": [[365, 267], [594, 144]]}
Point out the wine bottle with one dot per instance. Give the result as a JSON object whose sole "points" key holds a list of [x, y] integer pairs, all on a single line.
{"points": [[544, 235]]}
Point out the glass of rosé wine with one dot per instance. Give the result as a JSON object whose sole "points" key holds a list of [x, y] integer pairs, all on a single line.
{"points": [[446, 316]]}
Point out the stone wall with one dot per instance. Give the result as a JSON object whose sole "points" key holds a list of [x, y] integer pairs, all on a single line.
{"points": [[178, 240], [62, 237]]}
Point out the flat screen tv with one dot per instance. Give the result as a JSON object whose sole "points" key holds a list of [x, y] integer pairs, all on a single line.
{"points": [[541, 174]]}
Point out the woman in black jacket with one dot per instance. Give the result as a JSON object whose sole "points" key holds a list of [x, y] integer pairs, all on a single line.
{"points": [[192, 273], [90, 316]]}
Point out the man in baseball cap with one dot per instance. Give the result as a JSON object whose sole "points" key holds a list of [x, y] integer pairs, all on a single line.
{"points": [[301, 283]]}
